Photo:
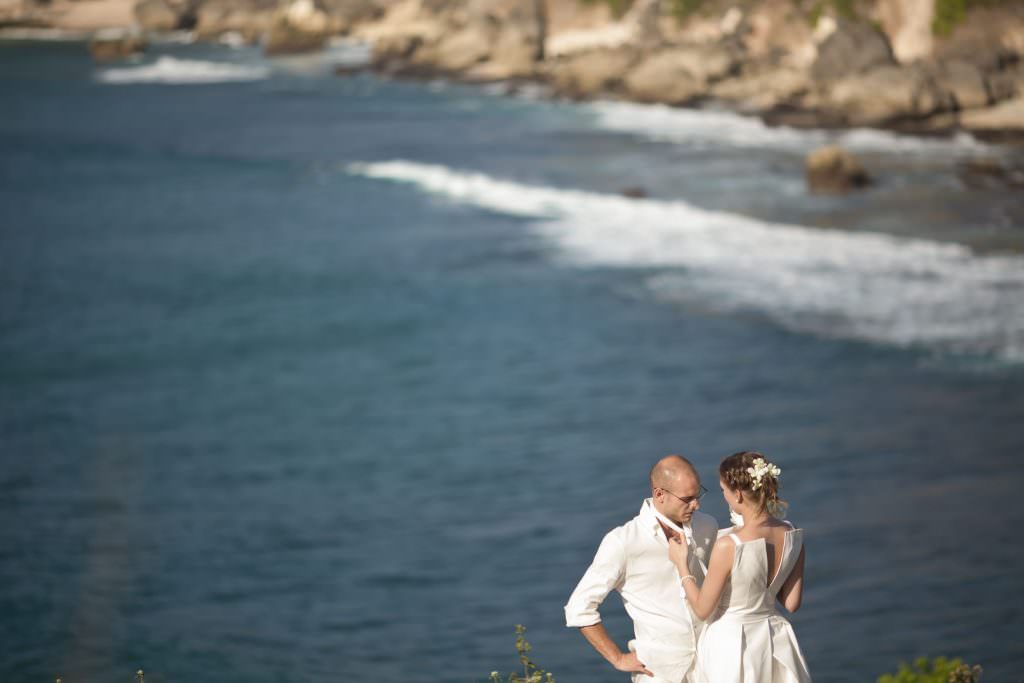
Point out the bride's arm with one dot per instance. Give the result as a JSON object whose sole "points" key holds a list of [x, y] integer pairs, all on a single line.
{"points": [[792, 591], [703, 600]]}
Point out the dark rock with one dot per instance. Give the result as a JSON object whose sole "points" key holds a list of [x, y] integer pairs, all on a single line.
{"points": [[963, 82], [1006, 84], [833, 169], [108, 46], [987, 172], [348, 71], [853, 48], [886, 95], [634, 192]]}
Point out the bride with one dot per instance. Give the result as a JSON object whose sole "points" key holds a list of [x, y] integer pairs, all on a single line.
{"points": [[759, 562]]}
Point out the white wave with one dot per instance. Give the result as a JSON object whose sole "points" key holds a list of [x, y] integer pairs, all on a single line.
{"points": [[864, 286], [170, 70], [41, 34], [702, 127], [173, 38], [232, 39], [349, 52]]}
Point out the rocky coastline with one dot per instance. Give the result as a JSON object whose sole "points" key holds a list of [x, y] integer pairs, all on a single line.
{"points": [[771, 58]]}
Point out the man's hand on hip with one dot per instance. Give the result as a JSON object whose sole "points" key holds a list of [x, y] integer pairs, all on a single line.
{"points": [[628, 662]]}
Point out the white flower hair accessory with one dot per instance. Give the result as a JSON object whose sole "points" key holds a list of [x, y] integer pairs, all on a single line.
{"points": [[736, 518], [760, 469]]}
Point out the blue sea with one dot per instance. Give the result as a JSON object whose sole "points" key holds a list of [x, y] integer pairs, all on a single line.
{"points": [[307, 377]]}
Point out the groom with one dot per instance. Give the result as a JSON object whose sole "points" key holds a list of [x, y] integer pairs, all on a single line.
{"points": [[633, 559]]}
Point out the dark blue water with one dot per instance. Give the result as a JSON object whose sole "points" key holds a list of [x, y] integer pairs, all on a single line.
{"points": [[264, 418]]}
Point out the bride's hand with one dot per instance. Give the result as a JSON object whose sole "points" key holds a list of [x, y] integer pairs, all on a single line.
{"points": [[678, 552]]}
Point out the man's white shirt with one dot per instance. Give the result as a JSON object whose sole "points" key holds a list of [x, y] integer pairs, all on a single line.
{"points": [[633, 559]]}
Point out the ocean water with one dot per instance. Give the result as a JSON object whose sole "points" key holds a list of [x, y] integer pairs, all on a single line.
{"points": [[307, 377]]}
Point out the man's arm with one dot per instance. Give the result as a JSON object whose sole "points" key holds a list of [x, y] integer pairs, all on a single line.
{"points": [[598, 637], [605, 574]]}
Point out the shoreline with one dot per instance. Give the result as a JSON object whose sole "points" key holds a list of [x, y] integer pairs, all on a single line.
{"points": [[797, 119], [834, 75]]}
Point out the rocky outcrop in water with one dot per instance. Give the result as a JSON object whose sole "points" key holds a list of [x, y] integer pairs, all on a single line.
{"points": [[833, 169], [299, 26], [115, 44]]}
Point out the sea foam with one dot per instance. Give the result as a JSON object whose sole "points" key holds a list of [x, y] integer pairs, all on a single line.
{"points": [[705, 128], [864, 286], [31, 33], [173, 71]]}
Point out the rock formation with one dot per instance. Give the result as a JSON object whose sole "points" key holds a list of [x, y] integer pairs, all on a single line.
{"points": [[833, 169], [113, 44]]}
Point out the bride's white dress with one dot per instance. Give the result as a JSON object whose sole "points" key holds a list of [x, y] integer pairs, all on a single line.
{"points": [[746, 641]]}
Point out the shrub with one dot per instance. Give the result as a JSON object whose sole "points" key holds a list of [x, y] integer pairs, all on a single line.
{"points": [[938, 670], [531, 672]]}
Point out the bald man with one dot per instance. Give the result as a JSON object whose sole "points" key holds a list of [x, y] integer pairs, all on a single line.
{"points": [[633, 559]]}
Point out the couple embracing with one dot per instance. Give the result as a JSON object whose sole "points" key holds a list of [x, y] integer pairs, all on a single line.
{"points": [[703, 601]]}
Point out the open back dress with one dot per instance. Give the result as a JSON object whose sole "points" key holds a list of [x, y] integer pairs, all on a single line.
{"points": [[746, 640]]}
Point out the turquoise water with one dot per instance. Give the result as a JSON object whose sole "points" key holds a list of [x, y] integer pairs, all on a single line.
{"points": [[307, 377]]}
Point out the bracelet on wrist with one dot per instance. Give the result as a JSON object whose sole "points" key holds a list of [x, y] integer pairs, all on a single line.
{"points": [[689, 576]]}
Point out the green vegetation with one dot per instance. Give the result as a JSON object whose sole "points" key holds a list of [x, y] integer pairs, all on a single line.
{"points": [[938, 670], [531, 672], [948, 13], [683, 9], [618, 7]]}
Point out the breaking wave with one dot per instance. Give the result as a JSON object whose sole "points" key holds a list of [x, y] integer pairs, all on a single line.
{"points": [[170, 70], [864, 286], [701, 127]]}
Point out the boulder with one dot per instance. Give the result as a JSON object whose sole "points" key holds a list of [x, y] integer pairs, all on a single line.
{"points": [[706, 63], [1007, 84], [344, 15], [885, 95], [990, 36], [590, 73], [680, 74], [393, 50], [460, 50], [513, 56], [778, 30], [852, 48], [661, 78], [833, 169], [157, 15], [110, 45], [249, 19], [988, 172], [763, 90], [296, 27], [1005, 117], [963, 82]]}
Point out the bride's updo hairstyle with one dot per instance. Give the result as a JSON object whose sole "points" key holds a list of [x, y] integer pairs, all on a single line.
{"points": [[757, 477]]}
